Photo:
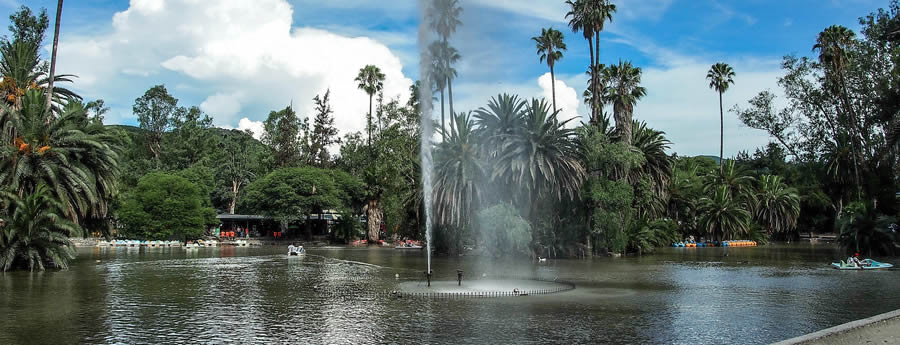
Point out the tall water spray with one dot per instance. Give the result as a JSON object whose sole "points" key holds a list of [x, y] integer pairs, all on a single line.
{"points": [[426, 123]]}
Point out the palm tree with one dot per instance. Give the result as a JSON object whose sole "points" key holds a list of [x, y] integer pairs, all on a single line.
{"points": [[590, 16], [864, 230], [777, 206], [33, 231], [75, 156], [722, 216], [738, 183], [444, 56], [720, 76], [20, 66], [834, 44], [59, 5], [657, 165], [497, 122], [443, 18], [624, 91], [370, 80], [542, 157], [458, 174], [550, 46]]}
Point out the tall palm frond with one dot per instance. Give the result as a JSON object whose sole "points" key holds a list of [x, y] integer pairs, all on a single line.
{"points": [[458, 173]]}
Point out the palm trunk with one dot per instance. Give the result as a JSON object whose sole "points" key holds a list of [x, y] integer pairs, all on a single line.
{"points": [[596, 79], [593, 85], [535, 234], [59, 5], [450, 101], [553, 87], [443, 128], [369, 122], [721, 135]]}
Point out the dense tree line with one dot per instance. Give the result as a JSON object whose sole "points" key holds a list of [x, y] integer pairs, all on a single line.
{"points": [[510, 177]]}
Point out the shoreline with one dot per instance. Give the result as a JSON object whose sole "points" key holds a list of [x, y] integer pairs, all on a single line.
{"points": [[878, 329]]}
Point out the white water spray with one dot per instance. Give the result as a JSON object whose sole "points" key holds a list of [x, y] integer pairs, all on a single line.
{"points": [[426, 124]]}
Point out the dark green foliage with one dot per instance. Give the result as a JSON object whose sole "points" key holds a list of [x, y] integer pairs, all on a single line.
{"points": [[74, 155], [33, 231], [863, 230], [27, 27], [643, 236], [154, 111], [323, 135], [289, 194], [282, 135], [164, 206], [502, 232]]}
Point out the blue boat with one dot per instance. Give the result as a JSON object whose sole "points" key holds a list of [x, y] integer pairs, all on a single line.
{"points": [[867, 264]]}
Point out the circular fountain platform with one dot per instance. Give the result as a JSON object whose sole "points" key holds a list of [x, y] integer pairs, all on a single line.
{"points": [[481, 288]]}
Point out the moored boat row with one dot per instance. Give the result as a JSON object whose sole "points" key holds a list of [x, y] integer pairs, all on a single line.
{"points": [[737, 243]]}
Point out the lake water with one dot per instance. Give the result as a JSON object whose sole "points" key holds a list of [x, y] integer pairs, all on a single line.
{"points": [[258, 295]]}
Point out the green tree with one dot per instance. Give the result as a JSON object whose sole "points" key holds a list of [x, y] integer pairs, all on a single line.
{"points": [[723, 216], [720, 77], [777, 206], [238, 162], [502, 232], [590, 17], [443, 18], [550, 45], [165, 206], [442, 72], [624, 92], [497, 122], [75, 156], [190, 141], [458, 175], [864, 230], [34, 232], [281, 133], [154, 111], [370, 80], [25, 26], [324, 134], [21, 66], [290, 194], [542, 158]]}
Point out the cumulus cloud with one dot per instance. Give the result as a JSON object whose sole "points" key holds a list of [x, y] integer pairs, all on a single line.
{"points": [[256, 127], [241, 58], [680, 102], [567, 100]]}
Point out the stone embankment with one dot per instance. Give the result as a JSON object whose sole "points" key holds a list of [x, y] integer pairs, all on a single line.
{"points": [[879, 329]]}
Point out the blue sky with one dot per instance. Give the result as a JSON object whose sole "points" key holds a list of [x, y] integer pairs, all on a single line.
{"points": [[240, 59]]}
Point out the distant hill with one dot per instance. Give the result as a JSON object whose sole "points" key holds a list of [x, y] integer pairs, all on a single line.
{"points": [[715, 159]]}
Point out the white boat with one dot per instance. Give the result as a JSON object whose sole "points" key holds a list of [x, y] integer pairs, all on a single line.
{"points": [[408, 246]]}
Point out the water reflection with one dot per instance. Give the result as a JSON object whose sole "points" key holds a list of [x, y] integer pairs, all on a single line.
{"points": [[258, 295]]}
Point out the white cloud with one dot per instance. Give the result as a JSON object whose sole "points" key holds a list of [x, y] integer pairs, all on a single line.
{"points": [[567, 100], [225, 106], [254, 126], [240, 58], [680, 102], [555, 11]]}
